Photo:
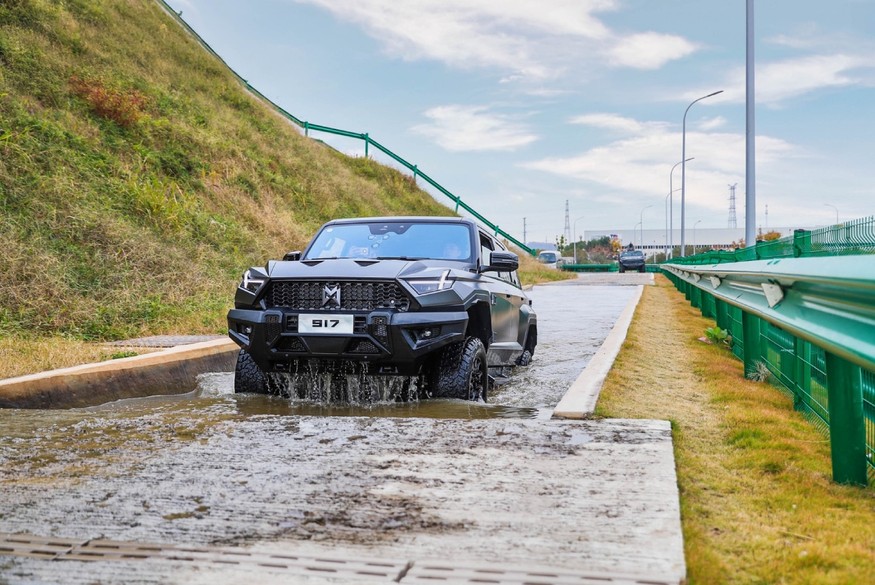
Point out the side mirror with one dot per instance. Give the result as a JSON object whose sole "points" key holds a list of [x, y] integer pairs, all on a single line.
{"points": [[292, 256], [502, 262]]}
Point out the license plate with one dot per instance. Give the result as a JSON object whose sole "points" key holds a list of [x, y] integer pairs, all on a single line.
{"points": [[326, 324]]}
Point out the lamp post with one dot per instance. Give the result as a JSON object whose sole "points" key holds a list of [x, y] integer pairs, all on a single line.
{"points": [[837, 211], [694, 236], [641, 242], [670, 222], [575, 237], [684, 168]]}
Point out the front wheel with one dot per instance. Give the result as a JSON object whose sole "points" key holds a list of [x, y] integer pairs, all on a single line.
{"points": [[462, 371], [248, 377]]}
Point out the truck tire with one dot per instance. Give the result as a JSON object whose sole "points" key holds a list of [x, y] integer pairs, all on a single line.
{"points": [[462, 371], [248, 377]]}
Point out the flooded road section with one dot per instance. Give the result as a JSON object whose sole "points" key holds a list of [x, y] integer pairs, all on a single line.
{"points": [[392, 480]]}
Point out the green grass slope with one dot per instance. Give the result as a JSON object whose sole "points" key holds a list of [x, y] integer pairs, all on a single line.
{"points": [[138, 179]]}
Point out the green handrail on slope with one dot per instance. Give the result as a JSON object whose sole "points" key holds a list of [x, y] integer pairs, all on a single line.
{"points": [[307, 127]]}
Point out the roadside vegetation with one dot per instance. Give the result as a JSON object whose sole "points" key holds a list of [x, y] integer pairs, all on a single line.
{"points": [[757, 501]]}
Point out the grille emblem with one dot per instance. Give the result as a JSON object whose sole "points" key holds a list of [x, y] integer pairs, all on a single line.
{"points": [[331, 296]]}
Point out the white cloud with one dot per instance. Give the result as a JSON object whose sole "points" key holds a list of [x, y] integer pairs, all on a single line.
{"points": [[782, 80], [517, 36], [649, 50], [616, 122], [460, 128], [712, 123], [641, 163]]}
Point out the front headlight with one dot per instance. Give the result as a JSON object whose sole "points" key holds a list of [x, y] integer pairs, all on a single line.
{"points": [[424, 286], [252, 281]]}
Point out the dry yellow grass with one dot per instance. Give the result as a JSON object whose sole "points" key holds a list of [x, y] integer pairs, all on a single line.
{"points": [[757, 501], [19, 357]]}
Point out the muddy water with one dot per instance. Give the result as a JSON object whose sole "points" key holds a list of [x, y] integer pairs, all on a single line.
{"points": [[573, 320]]}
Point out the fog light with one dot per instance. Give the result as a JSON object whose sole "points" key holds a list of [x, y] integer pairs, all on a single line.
{"points": [[427, 333]]}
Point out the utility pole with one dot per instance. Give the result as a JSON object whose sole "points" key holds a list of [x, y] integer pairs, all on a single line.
{"points": [[525, 240], [750, 197], [732, 222], [567, 223]]}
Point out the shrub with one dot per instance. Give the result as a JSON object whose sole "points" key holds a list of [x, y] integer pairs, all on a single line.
{"points": [[124, 107]]}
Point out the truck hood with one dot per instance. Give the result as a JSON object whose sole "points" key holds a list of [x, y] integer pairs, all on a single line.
{"points": [[348, 269]]}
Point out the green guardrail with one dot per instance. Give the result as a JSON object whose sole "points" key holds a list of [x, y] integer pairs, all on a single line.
{"points": [[363, 136], [612, 267], [850, 238], [810, 322]]}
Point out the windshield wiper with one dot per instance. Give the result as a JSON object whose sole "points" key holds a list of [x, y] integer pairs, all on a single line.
{"points": [[399, 258]]}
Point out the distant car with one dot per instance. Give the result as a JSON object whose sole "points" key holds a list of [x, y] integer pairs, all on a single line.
{"points": [[631, 260], [550, 258]]}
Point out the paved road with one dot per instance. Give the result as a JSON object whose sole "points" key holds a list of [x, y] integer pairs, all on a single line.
{"points": [[245, 474]]}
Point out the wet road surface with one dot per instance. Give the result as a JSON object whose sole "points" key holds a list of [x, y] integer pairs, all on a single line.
{"points": [[409, 481]]}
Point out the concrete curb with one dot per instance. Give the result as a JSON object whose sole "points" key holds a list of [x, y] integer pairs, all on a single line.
{"points": [[580, 399], [171, 371]]}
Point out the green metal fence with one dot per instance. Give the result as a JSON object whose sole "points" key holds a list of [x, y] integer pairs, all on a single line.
{"points": [[363, 136], [806, 318], [846, 239]]}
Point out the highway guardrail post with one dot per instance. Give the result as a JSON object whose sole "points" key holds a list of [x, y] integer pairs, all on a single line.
{"points": [[847, 431], [750, 332], [801, 243], [802, 395], [721, 314]]}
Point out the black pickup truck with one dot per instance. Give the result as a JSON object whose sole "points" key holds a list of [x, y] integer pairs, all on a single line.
{"points": [[433, 299]]}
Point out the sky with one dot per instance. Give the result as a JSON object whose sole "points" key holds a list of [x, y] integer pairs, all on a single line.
{"points": [[519, 106]]}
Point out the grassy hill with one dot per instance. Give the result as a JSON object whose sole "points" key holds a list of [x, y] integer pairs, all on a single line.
{"points": [[138, 179]]}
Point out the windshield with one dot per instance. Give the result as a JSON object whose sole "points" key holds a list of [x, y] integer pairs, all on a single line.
{"points": [[385, 240], [633, 253], [548, 257]]}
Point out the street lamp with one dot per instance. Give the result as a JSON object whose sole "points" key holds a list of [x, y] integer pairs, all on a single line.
{"points": [[669, 238], [641, 242], [575, 237], [684, 168], [837, 211], [694, 236]]}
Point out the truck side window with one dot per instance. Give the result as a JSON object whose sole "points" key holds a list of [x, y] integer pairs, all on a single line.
{"points": [[485, 249]]}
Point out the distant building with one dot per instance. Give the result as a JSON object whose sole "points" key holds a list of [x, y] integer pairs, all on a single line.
{"points": [[655, 242]]}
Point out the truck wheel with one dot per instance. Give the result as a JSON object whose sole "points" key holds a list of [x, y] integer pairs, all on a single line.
{"points": [[462, 371], [248, 377]]}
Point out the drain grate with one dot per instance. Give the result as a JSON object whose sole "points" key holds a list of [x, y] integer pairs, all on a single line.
{"points": [[28, 545], [59, 549], [444, 573], [390, 570]]}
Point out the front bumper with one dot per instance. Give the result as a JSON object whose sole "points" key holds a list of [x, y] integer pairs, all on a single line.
{"points": [[384, 341]]}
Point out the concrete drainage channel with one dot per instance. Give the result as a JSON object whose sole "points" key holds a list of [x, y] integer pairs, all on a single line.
{"points": [[510, 501]]}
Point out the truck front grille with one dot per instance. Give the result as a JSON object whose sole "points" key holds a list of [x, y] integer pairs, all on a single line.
{"points": [[354, 296]]}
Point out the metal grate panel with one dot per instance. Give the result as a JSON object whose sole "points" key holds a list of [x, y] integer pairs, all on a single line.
{"points": [[440, 572]]}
